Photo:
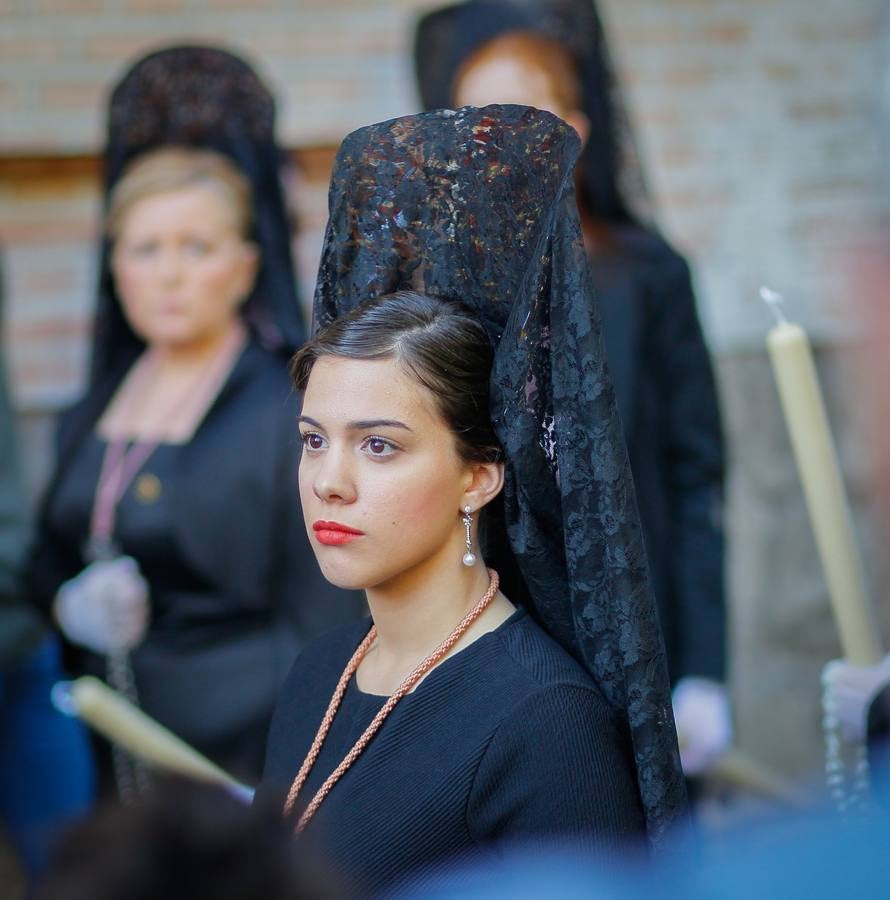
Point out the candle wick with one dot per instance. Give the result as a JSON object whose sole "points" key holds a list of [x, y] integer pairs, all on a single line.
{"points": [[774, 301]]}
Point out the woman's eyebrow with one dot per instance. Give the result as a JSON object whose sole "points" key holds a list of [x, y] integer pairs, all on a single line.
{"points": [[364, 424], [361, 425]]}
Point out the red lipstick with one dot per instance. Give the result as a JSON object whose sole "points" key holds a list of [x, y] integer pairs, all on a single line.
{"points": [[334, 534]]}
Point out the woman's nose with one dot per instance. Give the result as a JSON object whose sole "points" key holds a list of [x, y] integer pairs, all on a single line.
{"points": [[170, 265], [334, 482]]}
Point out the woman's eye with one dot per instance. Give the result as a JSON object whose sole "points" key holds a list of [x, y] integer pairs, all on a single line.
{"points": [[376, 446], [313, 441], [148, 248], [197, 248]]}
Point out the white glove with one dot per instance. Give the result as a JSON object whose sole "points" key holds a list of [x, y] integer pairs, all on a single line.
{"points": [[850, 690], [704, 724], [105, 607]]}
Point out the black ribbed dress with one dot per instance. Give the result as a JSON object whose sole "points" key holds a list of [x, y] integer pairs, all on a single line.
{"points": [[508, 740]]}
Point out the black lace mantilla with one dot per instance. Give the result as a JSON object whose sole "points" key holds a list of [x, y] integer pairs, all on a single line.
{"points": [[612, 182], [190, 94], [479, 205]]}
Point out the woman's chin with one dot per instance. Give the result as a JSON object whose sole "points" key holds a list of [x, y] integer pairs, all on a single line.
{"points": [[171, 337], [349, 578]]}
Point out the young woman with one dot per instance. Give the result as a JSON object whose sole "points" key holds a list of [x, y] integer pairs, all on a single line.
{"points": [[524, 701], [170, 551], [553, 54]]}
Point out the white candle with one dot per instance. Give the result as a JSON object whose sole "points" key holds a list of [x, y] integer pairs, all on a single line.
{"points": [[823, 487], [124, 724]]}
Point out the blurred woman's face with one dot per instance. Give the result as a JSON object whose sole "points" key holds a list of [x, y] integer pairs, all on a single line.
{"points": [[180, 266], [381, 481], [506, 79], [504, 76]]}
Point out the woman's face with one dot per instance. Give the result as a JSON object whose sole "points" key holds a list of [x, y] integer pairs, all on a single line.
{"points": [[505, 77], [180, 266], [381, 482]]}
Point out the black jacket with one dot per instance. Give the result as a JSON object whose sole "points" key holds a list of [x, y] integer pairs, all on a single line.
{"points": [[667, 400], [242, 590]]}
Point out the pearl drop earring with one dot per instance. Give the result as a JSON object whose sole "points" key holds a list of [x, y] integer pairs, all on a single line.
{"points": [[469, 558]]}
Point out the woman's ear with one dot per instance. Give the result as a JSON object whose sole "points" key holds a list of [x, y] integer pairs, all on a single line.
{"points": [[486, 483]]}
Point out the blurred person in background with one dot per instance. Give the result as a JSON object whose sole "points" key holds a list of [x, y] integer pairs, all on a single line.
{"points": [[46, 775], [170, 549], [188, 841], [858, 697], [207, 98], [553, 55]]}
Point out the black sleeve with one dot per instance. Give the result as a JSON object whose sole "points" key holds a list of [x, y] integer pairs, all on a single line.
{"points": [[556, 767], [51, 559], [19, 627], [695, 471], [12, 504]]}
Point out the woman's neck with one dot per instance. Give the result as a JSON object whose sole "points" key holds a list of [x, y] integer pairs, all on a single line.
{"points": [[170, 388], [423, 608], [416, 612], [174, 360]]}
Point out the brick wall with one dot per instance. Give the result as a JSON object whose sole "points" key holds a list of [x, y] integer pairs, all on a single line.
{"points": [[752, 115]]}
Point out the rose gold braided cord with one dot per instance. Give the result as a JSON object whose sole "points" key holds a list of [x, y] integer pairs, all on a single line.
{"points": [[405, 687], [328, 718]]}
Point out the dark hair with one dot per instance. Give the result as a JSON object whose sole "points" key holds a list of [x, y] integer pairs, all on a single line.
{"points": [[186, 840], [438, 342]]}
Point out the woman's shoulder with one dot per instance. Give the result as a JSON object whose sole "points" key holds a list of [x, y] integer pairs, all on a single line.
{"points": [[258, 391], [260, 369], [643, 242], [539, 665], [647, 248], [558, 759], [81, 415], [659, 272]]}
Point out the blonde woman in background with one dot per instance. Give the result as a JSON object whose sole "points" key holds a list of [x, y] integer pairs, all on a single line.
{"points": [[170, 550]]}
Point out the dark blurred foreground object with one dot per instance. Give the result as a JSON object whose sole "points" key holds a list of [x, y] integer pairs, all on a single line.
{"points": [[657, 357], [818, 858], [187, 842]]}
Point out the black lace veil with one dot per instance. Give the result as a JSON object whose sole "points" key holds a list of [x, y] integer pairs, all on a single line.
{"points": [[203, 97], [479, 205], [612, 186]]}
